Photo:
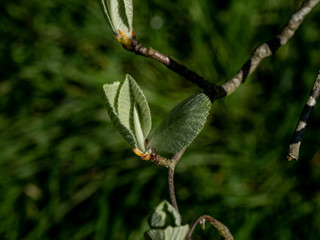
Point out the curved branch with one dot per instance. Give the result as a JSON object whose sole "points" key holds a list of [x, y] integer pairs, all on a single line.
{"points": [[222, 229], [294, 147], [170, 164], [180, 69], [269, 48], [175, 159], [261, 52]]}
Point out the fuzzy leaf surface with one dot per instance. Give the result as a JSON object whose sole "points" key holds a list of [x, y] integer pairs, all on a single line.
{"points": [[119, 14], [169, 233], [165, 224], [182, 124], [164, 215], [129, 111]]}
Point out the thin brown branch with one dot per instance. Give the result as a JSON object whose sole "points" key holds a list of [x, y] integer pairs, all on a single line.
{"points": [[261, 52], [175, 159], [294, 147], [269, 48], [172, 193], [182, 70], [222, 229], [159, 160], [170, 164]]}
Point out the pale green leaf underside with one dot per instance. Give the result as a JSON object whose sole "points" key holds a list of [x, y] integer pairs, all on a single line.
{"points": [[138, 132], [165, 224], [169, 233], [129, 11], [182, 124], [129, 111], [163, 214], [119, 14], [137, 100], [112, 93], [105, 10], [176, 233]]}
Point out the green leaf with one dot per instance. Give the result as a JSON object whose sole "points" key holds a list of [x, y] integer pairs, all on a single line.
{"points": [[164, 215], [129, 111], [105, 9], [165, 224], [129, 12], [154, 234], [176, 233], [182, 124], [119, 14], [169, 233], [112, 92]]}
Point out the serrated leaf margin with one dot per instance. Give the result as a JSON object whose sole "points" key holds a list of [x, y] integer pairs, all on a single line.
{"points": [[182, 124]]}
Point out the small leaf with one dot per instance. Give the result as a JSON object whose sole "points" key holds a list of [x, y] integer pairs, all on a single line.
{"points": [[112, 92], [129, 12], [182, 124], [176, 233], [105, 10], [129, 111], [169, 233], [164, 215], [119, 14], [119, 17], [154, 234], [137, 128], [165, 224]]}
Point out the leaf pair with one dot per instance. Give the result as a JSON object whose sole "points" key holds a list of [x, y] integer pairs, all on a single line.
{"points": [[119, 14], [130, 113]]}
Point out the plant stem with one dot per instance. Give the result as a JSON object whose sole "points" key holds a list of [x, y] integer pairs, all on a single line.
{"points": [[294, 147], [171, 189], [222, 229], [264, 50], [269, 48], [175, 159], [180, 69], [159, 160], [170, 164]]}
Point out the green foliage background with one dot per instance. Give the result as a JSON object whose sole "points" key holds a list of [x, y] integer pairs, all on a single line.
{"points": [[66, 173]]}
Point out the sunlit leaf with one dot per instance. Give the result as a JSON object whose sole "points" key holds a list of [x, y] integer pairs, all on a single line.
{"points": [[182, 124], [165, 224], [154, 234], [119, 14], [176, 233], [129, 12], [169, 233], [112, 92], [129, 111], [105, 10], [164, 215]]}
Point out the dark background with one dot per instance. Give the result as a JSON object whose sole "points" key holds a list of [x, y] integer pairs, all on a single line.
{"points": [[66, 173]]}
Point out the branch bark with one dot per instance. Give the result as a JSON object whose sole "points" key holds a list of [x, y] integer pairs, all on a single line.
{"points": [[294, 147], [170, 164], [180, 69], [269, 48], [175, 159], [264, 50]]}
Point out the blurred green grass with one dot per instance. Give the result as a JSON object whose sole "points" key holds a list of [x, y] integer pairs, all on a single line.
{"points": [[66, 173]]}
